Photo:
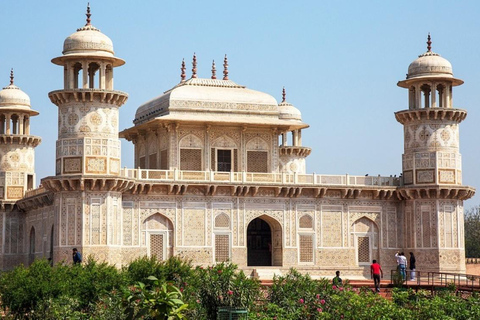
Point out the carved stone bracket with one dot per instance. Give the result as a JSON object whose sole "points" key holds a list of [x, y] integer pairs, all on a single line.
{"points": [[436, 192], [406, 116]]}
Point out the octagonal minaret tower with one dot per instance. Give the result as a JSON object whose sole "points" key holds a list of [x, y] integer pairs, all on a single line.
{"points": [[432, 165], [17, 146], [88, 105]]}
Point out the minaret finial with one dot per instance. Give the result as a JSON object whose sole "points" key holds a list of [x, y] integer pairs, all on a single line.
{"points": [[88, 14], [214, 70], [194, 64], [429, 43], [283, 94], [225, 68], [11, 77], [183, 75]]}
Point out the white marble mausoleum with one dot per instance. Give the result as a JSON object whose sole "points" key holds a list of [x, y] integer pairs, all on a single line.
{"points": [[220, 175]]}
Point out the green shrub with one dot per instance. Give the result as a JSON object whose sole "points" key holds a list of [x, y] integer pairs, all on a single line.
{"points": [[223, 285], [92, 280], [22, 289], [173, 269], [156, 301]]}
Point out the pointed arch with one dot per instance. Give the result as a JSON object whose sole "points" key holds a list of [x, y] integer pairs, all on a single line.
{"points": [[224, 141], [306, 222], [264, 243], [257, 143], [365, 236], [191, 153], [160, 236], [32, 246], [222, 221], [191, 141], [257, 155], [51, 244]]}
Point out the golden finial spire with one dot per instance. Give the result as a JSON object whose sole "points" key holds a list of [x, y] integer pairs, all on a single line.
{"points": [[225, 68], [11, 77], [429, 43], [214, 70], [194, 64], [183, 75], [283, 94]]}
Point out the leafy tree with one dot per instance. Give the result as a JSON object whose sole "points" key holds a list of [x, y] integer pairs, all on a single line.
{"points": [[472, 232]]}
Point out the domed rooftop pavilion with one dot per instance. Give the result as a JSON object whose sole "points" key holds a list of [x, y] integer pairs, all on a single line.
{"points": [[14, 99], [216, 101], [429, 65], [88, 41]]}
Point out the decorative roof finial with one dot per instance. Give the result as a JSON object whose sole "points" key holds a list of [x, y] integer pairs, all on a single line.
{"points": [[214, 70], [225, 68], [429, 43], [183, 75], [194, 64], [11, 77], [283, 94]]}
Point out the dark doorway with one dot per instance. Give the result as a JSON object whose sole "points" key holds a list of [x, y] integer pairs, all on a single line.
{"points": [[224, 160], [259, 243]]}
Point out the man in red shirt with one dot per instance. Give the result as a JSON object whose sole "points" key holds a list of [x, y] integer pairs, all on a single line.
{"points": [[376, 272]]}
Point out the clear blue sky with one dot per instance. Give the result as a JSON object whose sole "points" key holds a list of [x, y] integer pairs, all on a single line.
{"points": [[339, 61]]}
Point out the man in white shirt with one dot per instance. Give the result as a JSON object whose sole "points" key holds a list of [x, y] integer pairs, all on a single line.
{"points": [[402, 264]]}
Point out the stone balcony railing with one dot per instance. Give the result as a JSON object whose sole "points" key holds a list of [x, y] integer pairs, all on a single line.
{"points": [[34, 192], [258, 178]]}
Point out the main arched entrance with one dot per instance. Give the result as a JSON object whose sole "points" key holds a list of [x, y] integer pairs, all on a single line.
{"points": [[264, 242]]}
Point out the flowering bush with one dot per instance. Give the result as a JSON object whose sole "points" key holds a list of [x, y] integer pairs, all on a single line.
{"points": [[223, 285], [101, 292]]}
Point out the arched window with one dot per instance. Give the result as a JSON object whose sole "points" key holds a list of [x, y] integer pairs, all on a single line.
{"points": [[32, 246], [2, 124], [76, 73], [51, 246], [109, 77], [411, 98], [426, 95], [14, 124], [306, 222], [93, 67], [222, 221], [441, 96], [160, 236]]}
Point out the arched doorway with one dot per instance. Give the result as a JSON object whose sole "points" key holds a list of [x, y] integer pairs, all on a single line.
{"points": [[50, 258], [31, 257], [264, 242]]}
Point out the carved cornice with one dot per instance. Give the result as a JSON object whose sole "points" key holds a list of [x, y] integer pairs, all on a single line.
{"points": [[407, 116], [436, 192], [295, 150], [90, 183], [27, 140], [61, 97], [36, 201]]}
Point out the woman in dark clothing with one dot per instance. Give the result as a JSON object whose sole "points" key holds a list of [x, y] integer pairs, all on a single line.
{"points": [[412, 266]]}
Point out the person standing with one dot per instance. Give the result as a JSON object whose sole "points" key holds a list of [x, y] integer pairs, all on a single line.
{"points": [[77, 256], [412, 266], [337, 281], [402, 264], [376, 273]]}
